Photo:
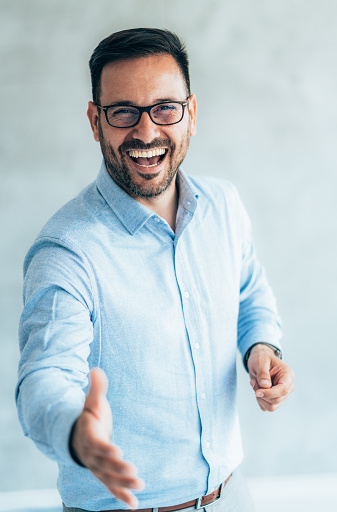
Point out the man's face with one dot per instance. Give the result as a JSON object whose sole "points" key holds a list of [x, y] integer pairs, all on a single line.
{"points": [[141, 82]]}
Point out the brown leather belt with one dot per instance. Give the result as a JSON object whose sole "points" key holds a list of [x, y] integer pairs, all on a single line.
{"points": [[198, 503]]}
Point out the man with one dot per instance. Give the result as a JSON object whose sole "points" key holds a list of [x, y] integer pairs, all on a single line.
{"points": [[149, 280]]}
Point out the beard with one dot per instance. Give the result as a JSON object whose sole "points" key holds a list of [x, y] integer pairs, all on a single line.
{"points": [[118, 165]]}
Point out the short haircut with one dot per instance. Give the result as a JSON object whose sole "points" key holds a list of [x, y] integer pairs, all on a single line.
{"points": [[135, 43]]}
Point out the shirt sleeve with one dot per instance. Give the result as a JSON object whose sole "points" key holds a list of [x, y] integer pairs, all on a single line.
{"points": [[56, 329], [258, 320]]}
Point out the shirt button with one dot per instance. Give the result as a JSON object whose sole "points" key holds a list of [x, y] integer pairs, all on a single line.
{"points": [[203, 396], [197, 346], [208, 444], [157, 219], [186, 295]]}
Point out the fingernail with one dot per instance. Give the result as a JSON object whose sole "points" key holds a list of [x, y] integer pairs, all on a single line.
{"points": [[265, 381], [134, 504], [141, 484], [252, 383], [259, 394]]}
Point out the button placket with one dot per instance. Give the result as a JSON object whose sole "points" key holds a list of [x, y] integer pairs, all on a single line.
{"points": [[192, 327]]}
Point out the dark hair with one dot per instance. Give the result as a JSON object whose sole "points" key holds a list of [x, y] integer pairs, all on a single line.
{"points": [[133, 43]]}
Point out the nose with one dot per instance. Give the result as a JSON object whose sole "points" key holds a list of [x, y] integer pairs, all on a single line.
{"points": [[146, 130]]}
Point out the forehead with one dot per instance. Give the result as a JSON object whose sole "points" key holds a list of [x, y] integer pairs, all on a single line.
{"points": [[142, 81]]}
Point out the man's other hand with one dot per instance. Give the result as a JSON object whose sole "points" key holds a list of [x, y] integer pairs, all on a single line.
{"points": [[271, 379], [91, 442]]}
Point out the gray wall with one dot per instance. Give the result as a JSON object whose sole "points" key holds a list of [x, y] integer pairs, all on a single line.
{"points": [[265, 76]]}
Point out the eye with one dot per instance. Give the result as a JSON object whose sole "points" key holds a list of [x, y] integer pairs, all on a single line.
{"points": [[165, 107], [122, 115], [122, 111]]}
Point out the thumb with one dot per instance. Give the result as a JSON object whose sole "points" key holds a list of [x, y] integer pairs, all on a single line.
{"points": [[97, 391], [263, 376]]}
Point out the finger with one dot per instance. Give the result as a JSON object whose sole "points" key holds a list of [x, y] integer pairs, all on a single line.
{"points": [[273, 401], [97, 390], [275, 392], [92, 448], [117, 480], [253, 383], [126, 496], [119, 485], [283, 376], [108, 464], [125, 482], [266, 406], [120, 493], [101, 448], [263, 375], [109, 456]]}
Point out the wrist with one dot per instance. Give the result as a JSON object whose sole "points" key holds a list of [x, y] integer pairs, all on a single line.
{"points": [[277, 352]]}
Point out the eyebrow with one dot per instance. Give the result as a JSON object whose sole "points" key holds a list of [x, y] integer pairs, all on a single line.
{"points": [[131, 104]]}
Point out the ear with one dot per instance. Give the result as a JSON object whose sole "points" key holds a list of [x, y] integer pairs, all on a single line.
{"points": [[92, 114], [192, 108]]}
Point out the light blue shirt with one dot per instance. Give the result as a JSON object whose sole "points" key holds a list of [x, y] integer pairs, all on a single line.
{"points": [[109, 284]]}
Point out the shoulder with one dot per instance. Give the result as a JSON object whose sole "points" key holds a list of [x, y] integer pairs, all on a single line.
{"points": [[73, 220], [65, 235]]}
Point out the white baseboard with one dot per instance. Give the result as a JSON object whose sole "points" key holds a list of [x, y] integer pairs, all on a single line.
{"points": [[294, 493], [22, 501]]}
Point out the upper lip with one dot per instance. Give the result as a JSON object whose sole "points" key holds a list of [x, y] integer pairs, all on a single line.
{"points": [[146, 153]]}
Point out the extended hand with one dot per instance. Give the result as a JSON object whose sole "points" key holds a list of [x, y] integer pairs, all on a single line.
{"points": [[271, 379], [91, 442]]}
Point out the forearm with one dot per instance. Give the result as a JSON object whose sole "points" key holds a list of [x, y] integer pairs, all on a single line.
{"points": [[48, 404], [258, 320], [55, 335]]}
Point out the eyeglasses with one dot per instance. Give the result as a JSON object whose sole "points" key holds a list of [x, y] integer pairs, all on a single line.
{"points": [[127, 116]]}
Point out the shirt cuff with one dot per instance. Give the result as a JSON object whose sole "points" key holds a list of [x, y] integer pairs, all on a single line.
{"points": [[61, 435]]}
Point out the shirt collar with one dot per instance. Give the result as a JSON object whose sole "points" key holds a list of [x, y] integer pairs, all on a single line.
{"points": [[132, 214], [188, 196]]}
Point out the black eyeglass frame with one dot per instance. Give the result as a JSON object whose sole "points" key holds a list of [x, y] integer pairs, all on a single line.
{"points": [[143, 109]]}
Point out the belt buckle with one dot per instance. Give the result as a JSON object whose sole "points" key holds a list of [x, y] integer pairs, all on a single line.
{"points": [[198, 505]]}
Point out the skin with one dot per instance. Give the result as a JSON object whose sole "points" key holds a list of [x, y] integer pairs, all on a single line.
{"points": [[141, 82], [271, 379]]}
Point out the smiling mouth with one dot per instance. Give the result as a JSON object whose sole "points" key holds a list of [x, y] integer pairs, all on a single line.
{"points": [[150, 158]]}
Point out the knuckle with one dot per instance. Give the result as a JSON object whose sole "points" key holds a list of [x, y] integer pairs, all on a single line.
{"points": [[95, 468], [116, 451]]}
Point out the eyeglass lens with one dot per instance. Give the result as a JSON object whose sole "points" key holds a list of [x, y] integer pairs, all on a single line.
{"points": [[125, 116]]}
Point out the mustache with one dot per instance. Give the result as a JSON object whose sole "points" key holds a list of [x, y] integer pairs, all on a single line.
{"points": [[139, 144]]}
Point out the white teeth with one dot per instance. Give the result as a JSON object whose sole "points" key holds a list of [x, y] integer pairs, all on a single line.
{"points": [[146, 154], [153, 165]]}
